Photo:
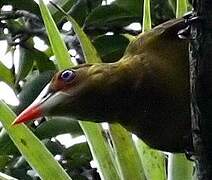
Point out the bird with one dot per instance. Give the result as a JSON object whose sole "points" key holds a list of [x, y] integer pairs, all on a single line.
{"points": [[147, 91]]}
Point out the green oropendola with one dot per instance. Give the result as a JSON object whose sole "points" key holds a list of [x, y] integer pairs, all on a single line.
{"points": [[146, 91]]}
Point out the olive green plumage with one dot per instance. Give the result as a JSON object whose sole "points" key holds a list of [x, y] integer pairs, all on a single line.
{"points": [[146, 91]]}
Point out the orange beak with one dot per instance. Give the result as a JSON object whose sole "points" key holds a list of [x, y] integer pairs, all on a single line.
{"points": [[45, 102], [35, 110], [32, 112]]}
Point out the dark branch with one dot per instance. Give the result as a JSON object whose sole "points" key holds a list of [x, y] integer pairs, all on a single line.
{"points": [[201, 87]]}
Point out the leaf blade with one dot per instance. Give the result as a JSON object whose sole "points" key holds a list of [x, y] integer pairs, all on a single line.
{"points": [[6, 74], [31, 148], [60, 50]]}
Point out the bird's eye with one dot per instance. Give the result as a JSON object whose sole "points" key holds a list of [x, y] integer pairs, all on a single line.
{"points": [[67, 75]]}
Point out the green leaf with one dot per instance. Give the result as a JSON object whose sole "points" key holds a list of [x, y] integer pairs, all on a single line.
{"points": [[32, 88], [31, 148], [153, 161], [57, 44], [147, 24], [181, 8], [100, 150], [78, 155], [7, 146], [161, 11], [30, 55], [111, 48], [180, 168], [55, 147], [110, 16], [25, 63], [94, 3], [29, 92], [126, 154], [81, 9], [42, 61], [55, 126], [89, 52], [172, 4], [31, 6], [133, 6], [78, 9], [65, 4], [58, 125], [4, 160], [6, 74]]}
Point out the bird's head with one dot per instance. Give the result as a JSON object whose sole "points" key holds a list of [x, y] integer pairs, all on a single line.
{"points": [[62, 86], [80, 92]]}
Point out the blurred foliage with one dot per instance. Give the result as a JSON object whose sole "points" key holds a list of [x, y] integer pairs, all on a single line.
{"points": [[105, 25]]}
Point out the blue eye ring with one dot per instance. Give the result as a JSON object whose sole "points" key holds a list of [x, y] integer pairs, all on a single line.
{"points": [[68, 75]]}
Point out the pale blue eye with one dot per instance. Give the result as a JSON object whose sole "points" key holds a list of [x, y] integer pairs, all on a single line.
{"points": [[67, 75]]}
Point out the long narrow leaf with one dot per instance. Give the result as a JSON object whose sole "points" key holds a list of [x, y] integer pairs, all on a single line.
{"points": [[89, 51], [30, 147], [153, 161], [180, 168], [126, 154], [100, 150], [181, 8], [62, 56], [6, 74], [147, 25]]}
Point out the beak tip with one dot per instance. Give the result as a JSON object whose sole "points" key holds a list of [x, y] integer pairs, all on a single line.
{"points": [[28, 114], [15, 122], [18, 120]]}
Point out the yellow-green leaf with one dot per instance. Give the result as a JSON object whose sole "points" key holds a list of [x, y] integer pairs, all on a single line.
{"points": [[30, 147], [57, 44], [6, 74]]}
